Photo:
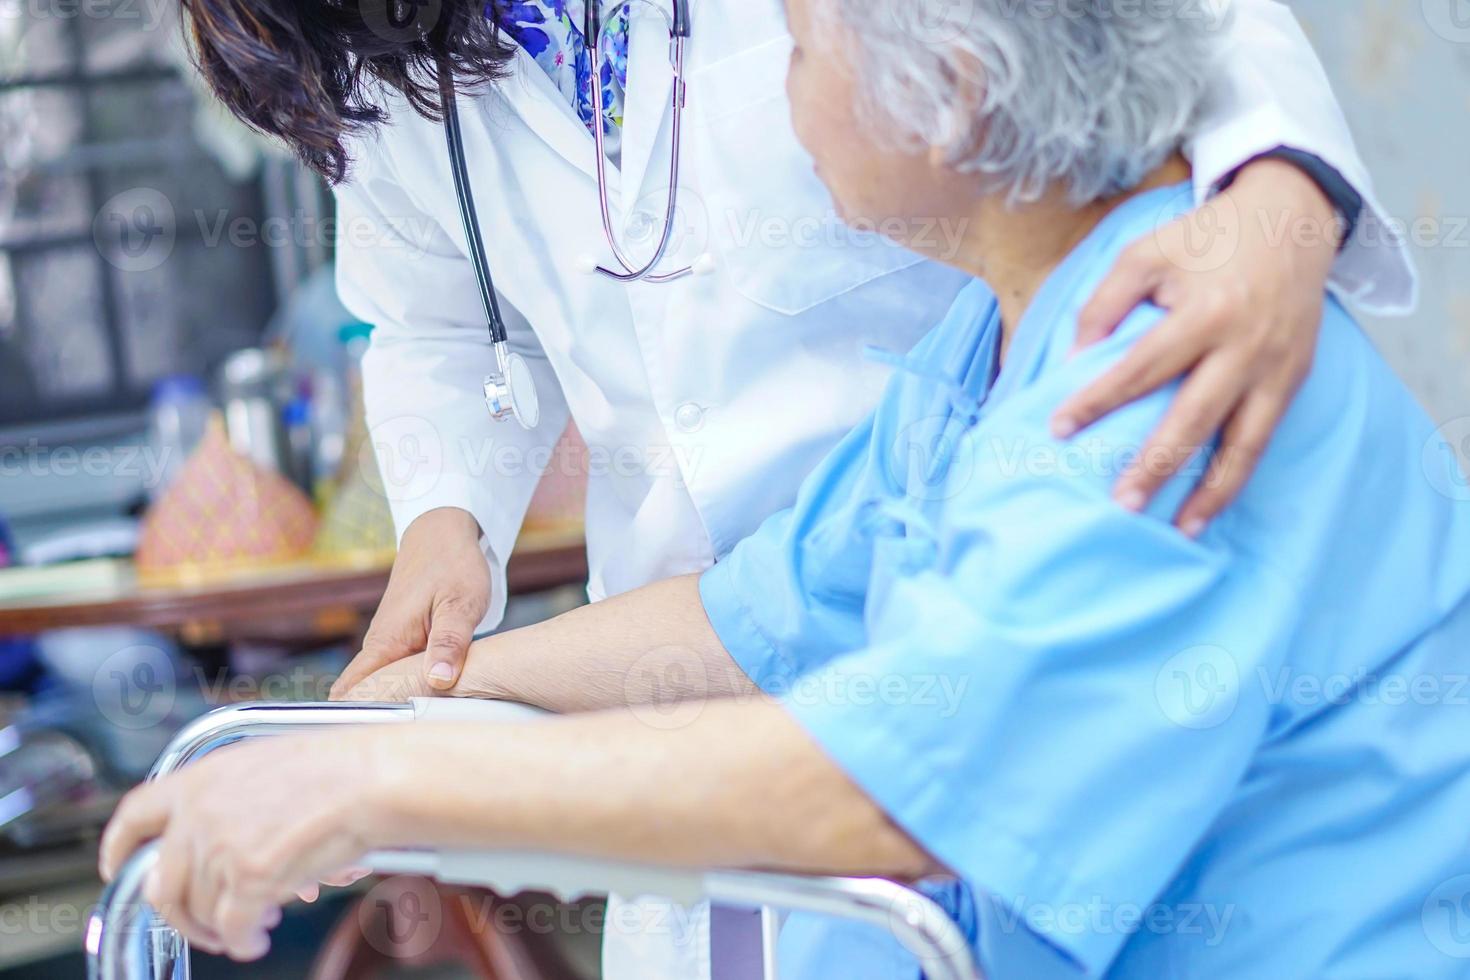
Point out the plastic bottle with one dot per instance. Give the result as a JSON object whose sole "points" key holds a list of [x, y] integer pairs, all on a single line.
{"points": [[177, 417], [336, 408]]}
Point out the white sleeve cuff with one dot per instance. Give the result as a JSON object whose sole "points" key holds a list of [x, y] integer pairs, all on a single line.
{"points": [[1374, 269], [499, 528]]}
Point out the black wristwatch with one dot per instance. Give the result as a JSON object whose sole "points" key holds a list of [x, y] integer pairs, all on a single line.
{"points": [[1335, 187]]}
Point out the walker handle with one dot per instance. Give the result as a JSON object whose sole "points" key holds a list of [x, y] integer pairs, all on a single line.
{"points": [[121, 918], [474, 709]]}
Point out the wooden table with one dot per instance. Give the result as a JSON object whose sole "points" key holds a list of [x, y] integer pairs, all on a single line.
{"points": [[300, 603], [305, 591]]}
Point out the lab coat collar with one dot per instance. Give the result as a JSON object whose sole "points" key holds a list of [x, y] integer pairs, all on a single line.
{"points": [[646, 103], [533, 97]]}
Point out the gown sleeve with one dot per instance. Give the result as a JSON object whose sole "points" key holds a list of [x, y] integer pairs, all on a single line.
{"points": [[790, 596], [1060, 704]]}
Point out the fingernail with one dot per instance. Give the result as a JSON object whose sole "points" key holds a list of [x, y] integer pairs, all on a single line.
{"points": [[1193, 527], [441, 672], [1131, 499], [1064, 427]]}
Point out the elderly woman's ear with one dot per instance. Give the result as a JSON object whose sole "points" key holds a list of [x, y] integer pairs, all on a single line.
{"points": [[958, 133], [1241, 331]]}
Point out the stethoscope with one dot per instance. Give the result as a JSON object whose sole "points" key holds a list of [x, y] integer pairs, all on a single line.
{"points": [[510, 389]]}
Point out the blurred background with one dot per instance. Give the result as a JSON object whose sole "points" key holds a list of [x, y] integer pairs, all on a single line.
{"points": [[189, 514], [1401, 69]]}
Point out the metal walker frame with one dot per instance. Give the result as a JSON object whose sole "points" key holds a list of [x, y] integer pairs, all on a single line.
{"points": [[122, 931]]}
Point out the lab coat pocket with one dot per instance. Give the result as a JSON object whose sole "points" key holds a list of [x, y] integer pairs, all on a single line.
{"points": [[771, 221]]}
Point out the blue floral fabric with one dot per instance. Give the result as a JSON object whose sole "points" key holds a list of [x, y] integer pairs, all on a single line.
{"points": [[551, 32]]}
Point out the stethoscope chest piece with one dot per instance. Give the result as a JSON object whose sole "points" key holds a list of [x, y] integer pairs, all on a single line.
{"points": [[510, 393]]}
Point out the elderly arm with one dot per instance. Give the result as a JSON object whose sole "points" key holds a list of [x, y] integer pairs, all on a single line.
{"points": [[736, 784], [654, 644], [725, 783]]}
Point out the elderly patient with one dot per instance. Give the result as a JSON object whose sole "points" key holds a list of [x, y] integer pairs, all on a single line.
{"points": [[1108, 746]]}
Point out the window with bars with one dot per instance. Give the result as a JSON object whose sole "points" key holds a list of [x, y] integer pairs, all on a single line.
{"points": [[113, 271]]}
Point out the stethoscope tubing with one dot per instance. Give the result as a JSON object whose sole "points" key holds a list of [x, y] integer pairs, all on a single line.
{"points": [[678, 34], [465, 197], [509, 390]]}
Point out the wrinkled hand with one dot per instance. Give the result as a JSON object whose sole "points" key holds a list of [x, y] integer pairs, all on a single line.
{"points": [[311, 891], [399, 681], [437, 594], [247, 828], [1242, 280]]}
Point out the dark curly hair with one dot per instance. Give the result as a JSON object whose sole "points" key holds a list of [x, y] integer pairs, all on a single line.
{"points": [[303, 70]]}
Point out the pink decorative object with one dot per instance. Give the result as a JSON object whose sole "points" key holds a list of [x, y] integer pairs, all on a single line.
{"points": [[224, 511]]}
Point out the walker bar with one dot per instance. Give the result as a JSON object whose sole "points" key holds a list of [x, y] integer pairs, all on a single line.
{"points": [[230, 724], [123, 932], [924, 929]]}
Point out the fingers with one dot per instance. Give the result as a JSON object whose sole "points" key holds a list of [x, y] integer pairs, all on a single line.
{"points": [[345, 877], [1205, 400], [312, 890], [1133, 279], [244, 922], [191, 887], [1244, 441], [450, 633], [376, 654], [167, 891], [399, 681], [141, 815], [1159, 356]]}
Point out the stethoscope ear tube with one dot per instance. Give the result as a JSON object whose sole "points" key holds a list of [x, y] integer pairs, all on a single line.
{"points": [[681, 19], [678, 35], [466, 198]]}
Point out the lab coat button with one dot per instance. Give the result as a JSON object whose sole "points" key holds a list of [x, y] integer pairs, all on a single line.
{"points": [[689, 417]]}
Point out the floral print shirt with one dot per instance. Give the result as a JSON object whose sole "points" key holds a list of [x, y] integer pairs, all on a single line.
{"points": [[551, 32]]}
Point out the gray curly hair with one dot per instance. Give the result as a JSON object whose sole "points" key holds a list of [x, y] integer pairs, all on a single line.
{"points": [[1091, 94]]}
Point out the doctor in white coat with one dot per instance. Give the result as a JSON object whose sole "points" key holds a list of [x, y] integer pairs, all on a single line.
{"points": [[704, 401]]}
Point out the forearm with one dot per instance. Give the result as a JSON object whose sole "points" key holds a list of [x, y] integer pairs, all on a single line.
{"points": [[739, 785], [654, 644]]}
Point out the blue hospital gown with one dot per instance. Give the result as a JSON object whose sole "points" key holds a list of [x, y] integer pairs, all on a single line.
{"points": [[1142, 755]]}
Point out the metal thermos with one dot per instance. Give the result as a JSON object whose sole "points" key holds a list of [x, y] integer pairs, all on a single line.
{"points": [[254, 384]]}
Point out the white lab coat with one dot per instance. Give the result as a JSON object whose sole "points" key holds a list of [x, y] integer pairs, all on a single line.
{"points": [[706, 401]]}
